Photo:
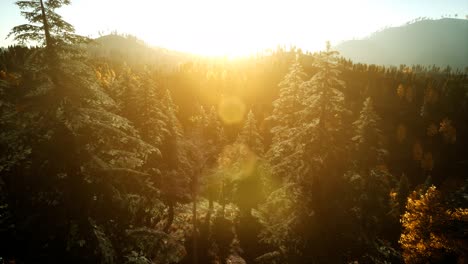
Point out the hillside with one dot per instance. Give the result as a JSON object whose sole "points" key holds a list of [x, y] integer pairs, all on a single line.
{"points": [[134, 51], [441, 42]]}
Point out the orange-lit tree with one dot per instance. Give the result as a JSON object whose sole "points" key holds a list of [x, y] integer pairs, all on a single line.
{"points": [[433, 233]]}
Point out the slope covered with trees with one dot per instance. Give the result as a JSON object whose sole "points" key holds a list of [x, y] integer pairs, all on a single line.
{"points": [[104, 161], [439, 42]]}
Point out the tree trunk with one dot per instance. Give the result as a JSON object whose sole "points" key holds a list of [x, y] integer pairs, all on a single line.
{"points": [[46, 27], [49, 42]]}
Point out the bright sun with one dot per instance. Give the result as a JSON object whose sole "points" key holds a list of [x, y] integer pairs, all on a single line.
{"points": [[215, 27]]}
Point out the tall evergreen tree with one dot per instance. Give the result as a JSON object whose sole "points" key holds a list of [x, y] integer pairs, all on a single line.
{"points": [[46, 27], [289, 103], [152, 120], [78, 161], [368, 136], [214, 131], [175, 175], [319, 144], [250, 136], [285, 120]]}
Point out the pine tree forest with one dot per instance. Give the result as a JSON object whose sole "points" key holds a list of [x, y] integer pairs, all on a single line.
{"points": [[285, 157]]}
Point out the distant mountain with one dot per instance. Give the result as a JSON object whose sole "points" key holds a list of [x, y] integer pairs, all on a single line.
{"points": [[427, 42], [133, 51]]}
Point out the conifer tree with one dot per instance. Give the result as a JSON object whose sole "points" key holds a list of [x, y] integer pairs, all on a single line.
{"points": [[289, 102], [175, 174], [285, 121], [368, 136], [81, 162], [314, 168], [151, 118], [247, 161], [368, 200], [214, 131], [250, 135], [127, 92], [46, 27]]}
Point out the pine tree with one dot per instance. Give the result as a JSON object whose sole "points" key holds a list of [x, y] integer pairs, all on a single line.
{"points": [[289, 103], [127, 92], [247, 162], [368, 186], [80, 162], [173, 132], [322, 118], [214, 131], [285, 121], [175, 168], [250, 136], [46, 27], [206, 142], [315, 167], [368, 136], [199, 120], [151, 118]]}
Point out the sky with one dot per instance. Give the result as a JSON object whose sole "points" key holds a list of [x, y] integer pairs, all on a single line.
{"points": [[239, 27]]}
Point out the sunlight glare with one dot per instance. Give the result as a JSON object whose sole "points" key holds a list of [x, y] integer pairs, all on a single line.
{"points": [[231, 110], [226, 28]]}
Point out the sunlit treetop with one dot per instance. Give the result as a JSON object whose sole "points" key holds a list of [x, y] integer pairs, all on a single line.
{"points": [[45, 27]]}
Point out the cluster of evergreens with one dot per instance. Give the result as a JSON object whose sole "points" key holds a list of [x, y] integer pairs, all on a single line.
{"points": [[280, 158]]}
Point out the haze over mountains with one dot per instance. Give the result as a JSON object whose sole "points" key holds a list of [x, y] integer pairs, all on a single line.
{"points": [[134, 51], [427, 42]]}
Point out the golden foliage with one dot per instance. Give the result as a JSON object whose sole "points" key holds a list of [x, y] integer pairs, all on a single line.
{"points": [[3, 75], [459, 214], [106, 76], [427, 163], [425, 223], [417, 151], [401, 133], [98, 75], [448, 131]]}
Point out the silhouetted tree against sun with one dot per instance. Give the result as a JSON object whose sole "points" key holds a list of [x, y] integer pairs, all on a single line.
{"points": [[47, 28]]}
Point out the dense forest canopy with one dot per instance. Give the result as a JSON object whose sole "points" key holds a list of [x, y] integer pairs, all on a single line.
{"points": [[283, 157]]}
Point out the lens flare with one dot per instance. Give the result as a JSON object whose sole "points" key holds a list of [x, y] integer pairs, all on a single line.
{"points": [[231, 110]]}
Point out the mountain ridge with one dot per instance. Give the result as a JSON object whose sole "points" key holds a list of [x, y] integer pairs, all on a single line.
{"points": [[131, 50], [427, 42]]}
